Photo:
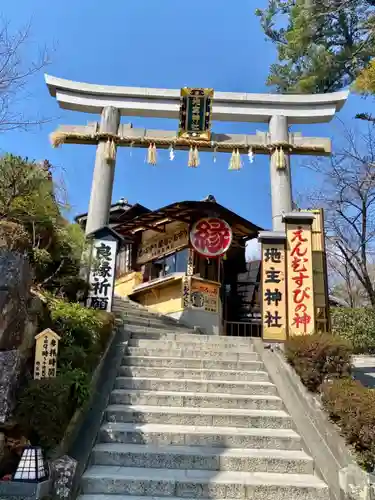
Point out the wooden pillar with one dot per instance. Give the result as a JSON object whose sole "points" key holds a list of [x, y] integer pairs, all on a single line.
{"points": [[104, 171], [320, 275]]}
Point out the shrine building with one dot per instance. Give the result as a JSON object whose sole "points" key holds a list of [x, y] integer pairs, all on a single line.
{"points": [[187, 260]]}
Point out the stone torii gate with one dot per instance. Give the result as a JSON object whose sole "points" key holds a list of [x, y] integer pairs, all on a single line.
{"points": [[279, 111]]}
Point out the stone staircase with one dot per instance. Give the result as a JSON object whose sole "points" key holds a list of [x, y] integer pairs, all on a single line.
{"points": [[195, 416]]}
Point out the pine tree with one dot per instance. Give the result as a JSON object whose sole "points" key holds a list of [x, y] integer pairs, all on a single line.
{"points": [[323, 45]]}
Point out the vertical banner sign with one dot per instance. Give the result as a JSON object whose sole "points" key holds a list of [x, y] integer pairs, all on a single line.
{"points": [[186, 292], [102, 274], [274, 291], [190, 263], [320, 278], [195, 113], [300, 279], [46, 349]]}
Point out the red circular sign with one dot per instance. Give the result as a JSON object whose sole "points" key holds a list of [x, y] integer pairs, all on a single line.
{"points": [[211, 237]]}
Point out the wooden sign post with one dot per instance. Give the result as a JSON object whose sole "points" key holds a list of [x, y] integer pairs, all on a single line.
{"points": [[300, 273], [46, 350], [274, 300]]}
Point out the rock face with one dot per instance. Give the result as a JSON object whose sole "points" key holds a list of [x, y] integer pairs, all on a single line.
{"points": [[10, 370], [15, 283], [18, 324]]}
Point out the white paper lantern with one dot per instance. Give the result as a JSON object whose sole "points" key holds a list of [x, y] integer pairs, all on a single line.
{"points": [[32, 467]]}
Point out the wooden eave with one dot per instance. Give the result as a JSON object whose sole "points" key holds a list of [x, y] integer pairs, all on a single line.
{"points": [[188, 212]]}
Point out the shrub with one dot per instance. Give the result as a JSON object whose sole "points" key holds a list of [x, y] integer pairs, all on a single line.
{"points": [[13, 236], [107, 323], [44, 410], [79, 383], [318, 357], [75, 356], [45, 407], [352, 407], [76, 324], [357, 326], [84, 333]]}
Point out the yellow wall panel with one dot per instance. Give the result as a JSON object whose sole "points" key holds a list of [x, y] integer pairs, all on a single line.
{"points": [[125, 285], [164, 300]]}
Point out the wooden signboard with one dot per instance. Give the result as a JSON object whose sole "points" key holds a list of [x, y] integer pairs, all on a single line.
{"points": [[162, 244], [102, 274], [300, 279], [186, 292], [274, 291], [204, 296], [195, 113], [46, 350]]}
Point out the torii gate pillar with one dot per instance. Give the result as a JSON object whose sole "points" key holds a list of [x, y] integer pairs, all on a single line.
{"points": [[104, 173], [281, 179]]}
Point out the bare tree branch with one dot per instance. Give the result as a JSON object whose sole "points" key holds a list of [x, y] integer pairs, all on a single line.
{"points": [[16, 73], [348, 196]]}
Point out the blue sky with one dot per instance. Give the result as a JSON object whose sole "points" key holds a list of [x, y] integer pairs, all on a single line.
{"points": [[152, 43]]}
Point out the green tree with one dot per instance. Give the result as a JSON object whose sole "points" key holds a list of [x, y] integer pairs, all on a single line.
{"points": [[322, 45], [30, 209]]}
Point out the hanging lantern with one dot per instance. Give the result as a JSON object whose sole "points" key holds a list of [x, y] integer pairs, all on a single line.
{"points": [[211, 237], [32, 468]]}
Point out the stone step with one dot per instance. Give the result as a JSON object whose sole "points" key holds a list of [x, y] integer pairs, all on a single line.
{"points": [[192, 337], [193, 386], [156, 330], [195, 363], [190, 435], [163, 322], [192, 374], [202, 484], [192, 353], [216, 417], [155, 323], [146, 316], [202, 458], [120, 303], [205, 346], [130, 312], [194, 399]]}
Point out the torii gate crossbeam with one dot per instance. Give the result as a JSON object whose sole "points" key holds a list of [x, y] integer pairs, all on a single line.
{"points": [[278, 110]]}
